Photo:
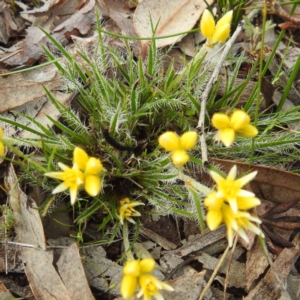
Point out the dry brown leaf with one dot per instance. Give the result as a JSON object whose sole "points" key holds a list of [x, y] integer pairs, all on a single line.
{"points": [[48, 5], [202, 241], [158, 239], [77, 23], [187, 45], [44, 281], [72, 274], [101, 272], [122, 14], [171, 16], [256, 264], [29, 50], [272, 285], [30, 98], [52, 13], [5, 293], [237, 272], [7, 25], [186, 287], [30, 87]]}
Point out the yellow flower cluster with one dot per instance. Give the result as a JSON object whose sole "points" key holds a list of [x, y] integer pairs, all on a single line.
{"points": [[228, 204], [127, 211], [215, 33], [85, 172], [2, 148], [137, 273], [231, 126], [178, 145]]}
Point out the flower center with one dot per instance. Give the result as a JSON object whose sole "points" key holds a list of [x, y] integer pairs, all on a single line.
{"points": [[73, 177], [230, 188], [151, 289]]}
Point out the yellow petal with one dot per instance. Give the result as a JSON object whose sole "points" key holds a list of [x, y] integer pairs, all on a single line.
{"points": [[60, 188], [93, 166], [247, 178], [63, 166], [248, 131], [1, 132], [242, 233], [214, 219], [245, 203], [232, 173], [221, 34], [227, 136], [2, 148], [92, 185], [147, 265], [73, 194], [80, 158], [56, 175], [179, 157], [254, 229], [216, 177], [132, 267], [169, 140], [220, 121], [233, 204], [239, 120], [212, 202], [226, 19], [207, 24], [167, 287], [188, 140], [128, 286], [230, 224]]}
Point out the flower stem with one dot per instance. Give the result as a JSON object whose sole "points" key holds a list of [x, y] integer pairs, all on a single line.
{"points": [[126, 241], [190, 182], [229, 263], [212, 277]]}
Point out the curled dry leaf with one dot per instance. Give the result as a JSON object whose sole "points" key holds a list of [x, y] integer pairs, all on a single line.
{"points": [[41, 274], [168, 17], [8, 24]]}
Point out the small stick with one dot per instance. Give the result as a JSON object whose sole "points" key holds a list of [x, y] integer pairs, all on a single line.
{"points": [[280, 12], [212, 277], [229, 264], [213, 79], [20, 244]]}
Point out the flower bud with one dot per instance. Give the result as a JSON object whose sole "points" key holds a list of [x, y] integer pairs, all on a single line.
{"points": [[207, 24]]}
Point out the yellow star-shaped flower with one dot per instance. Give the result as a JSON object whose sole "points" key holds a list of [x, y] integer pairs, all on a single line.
{"points": [[127, 211], [137, 274], [85, 172]]}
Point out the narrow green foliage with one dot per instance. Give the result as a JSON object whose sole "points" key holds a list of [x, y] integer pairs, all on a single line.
{"points": [[123, 104]]}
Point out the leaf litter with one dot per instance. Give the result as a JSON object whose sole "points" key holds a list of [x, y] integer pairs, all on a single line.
{"points": [[272, 186]]}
